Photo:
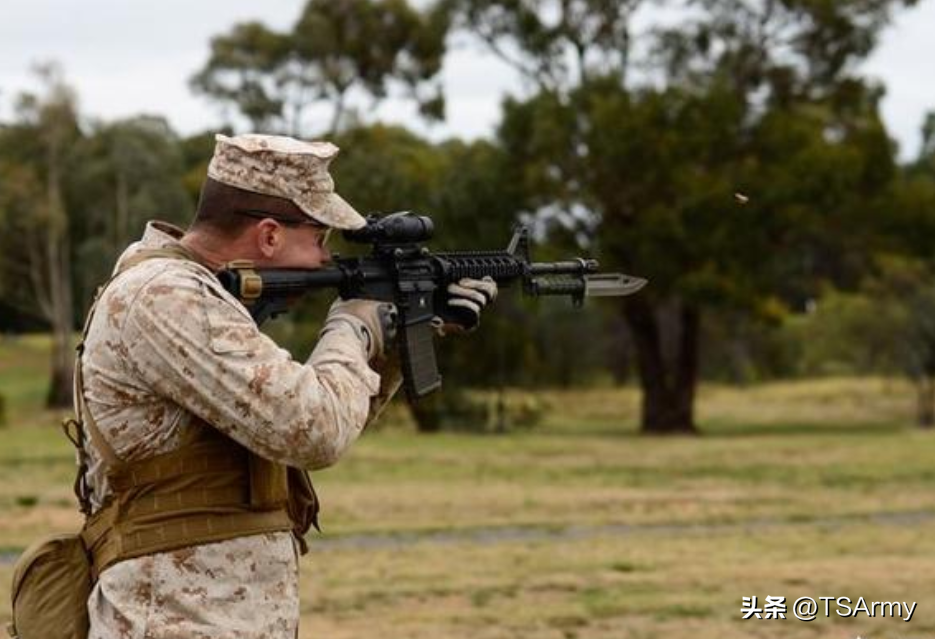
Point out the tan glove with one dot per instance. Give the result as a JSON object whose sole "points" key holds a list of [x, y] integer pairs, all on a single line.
{"points": [[466, 298], [373, 321]]}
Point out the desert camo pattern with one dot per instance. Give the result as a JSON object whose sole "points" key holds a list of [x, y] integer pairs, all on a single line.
{"points": [[245, 588], [167, 340], [284, 167]]}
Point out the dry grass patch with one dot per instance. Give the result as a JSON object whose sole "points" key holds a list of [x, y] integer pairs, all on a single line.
{"points": [[637, 585], [779, 496]]}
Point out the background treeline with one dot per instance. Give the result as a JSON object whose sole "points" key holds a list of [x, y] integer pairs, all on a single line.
{"points": [[729, 151]]}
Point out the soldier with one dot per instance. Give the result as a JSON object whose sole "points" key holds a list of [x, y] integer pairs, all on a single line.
{"points": [[198, 424]]}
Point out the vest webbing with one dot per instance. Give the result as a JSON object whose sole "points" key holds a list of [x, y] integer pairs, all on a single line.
{"points": [[209, 489]]}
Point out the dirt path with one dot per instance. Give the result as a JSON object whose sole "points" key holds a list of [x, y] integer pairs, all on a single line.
{"points": [[507, 534]]}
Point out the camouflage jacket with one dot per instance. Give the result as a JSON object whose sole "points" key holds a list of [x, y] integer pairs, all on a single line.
{"points": [[168, 340]]}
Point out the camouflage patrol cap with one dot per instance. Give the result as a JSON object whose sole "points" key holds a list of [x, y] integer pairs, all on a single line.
{"points": [[288, 168]]}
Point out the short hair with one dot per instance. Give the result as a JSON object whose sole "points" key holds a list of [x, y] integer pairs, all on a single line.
{"points": [[220, 204]]}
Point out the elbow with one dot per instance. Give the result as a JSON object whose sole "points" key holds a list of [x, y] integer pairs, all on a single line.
{"points": [[324, 425], [327, 436], [324, 456], [308, 445]]}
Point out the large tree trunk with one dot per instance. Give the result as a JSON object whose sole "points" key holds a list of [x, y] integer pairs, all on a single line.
{"points": [[666, 341]]}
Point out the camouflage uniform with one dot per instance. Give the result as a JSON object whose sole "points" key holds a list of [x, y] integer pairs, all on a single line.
{"points": [[167, 340]]}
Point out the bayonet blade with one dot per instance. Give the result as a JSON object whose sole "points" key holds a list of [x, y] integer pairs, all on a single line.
{"points": [[612, 285]]}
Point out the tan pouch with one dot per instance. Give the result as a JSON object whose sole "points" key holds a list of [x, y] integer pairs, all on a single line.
{"points": [[51, 585]]}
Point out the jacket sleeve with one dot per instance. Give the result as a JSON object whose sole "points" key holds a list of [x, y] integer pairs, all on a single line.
{"points": [[193, 344]]}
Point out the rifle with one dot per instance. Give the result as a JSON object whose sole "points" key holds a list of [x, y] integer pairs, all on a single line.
{"points": [[401, 270]]}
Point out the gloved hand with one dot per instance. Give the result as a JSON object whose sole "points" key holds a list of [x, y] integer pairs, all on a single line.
{"points": [[374, 321], [466, 298]]}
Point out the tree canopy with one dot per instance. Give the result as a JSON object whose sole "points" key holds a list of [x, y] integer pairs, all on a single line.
{"points": [[729, 151], [336, 54], [642, 149]]}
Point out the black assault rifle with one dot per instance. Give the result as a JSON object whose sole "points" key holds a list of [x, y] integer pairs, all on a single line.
{"points": [[402, 271]]}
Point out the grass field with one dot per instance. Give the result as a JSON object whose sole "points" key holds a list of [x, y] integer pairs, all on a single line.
{"points": [[581, 529]]}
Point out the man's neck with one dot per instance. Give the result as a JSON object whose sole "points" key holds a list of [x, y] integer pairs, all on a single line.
{"points": [[209, 251]]}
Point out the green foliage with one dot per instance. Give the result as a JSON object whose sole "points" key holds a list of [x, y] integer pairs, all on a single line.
{"points": [[639, 152], [475, 412], [738, 348], [850, 334], [108, 182], [35, 240], [386, 168], [886, 327], [131, 172], [245, 55], [652, 191], [196, 154], [632, 154], [334, 50], [659, 174], [38, 156], [553, 44]]}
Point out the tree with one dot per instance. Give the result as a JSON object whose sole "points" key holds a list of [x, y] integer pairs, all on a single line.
{"points": [[887, 326], [131, 172], [336, 52], [903, 270], [639, 151], [35, 169]]}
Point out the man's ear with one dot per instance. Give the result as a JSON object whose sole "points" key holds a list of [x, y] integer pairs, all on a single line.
{"points": [[268, 238]]}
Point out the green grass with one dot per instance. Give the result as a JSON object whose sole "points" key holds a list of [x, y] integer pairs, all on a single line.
{"points": [[581, 528], [24, 368]]}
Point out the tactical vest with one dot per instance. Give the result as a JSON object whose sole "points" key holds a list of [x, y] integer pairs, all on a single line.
{"points": [[209, 489]]}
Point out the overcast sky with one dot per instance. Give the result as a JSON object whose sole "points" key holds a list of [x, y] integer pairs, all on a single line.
{"points": [[126, 58]]}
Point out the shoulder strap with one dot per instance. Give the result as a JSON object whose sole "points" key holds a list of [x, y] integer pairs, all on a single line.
{"points": [[85, 419]]}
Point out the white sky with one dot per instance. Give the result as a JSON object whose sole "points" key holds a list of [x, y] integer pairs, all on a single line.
{"points": [[129, 57]]}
